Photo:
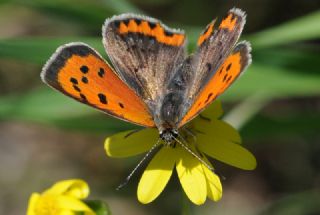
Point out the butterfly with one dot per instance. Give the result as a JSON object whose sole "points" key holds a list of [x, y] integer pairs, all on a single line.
{"points": [[152, 81]]}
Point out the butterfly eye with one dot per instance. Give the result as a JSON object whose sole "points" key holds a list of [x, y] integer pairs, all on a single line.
{"points": [[175, 133]]}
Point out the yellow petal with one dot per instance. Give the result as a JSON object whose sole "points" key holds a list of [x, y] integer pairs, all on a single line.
{"points": [[216, 129], [191, 177], [156, 175], [214, 187], [75, 188], [32, 203], [72, 204], [129, 143], [214, 111], [66, 212], [227, 152]]}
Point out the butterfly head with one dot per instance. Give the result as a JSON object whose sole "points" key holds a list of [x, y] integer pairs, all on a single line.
{"points": [[169, 135]]}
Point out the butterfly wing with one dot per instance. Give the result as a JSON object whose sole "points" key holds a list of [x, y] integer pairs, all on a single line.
{"points": [[214, 45], [80, 72], [145, 53], [229, 71], [215, 50]]}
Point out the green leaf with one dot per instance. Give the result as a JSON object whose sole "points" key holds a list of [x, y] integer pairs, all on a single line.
{"points": [[273, 82], [298, 59], [41, 105], [96, 123], [284, 124], [99, 207], [304, 28], [59, 110], [90, 14], [122, 6], [38, 50]]}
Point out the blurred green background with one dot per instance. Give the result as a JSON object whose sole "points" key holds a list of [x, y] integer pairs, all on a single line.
{"points": [[45, 137]]}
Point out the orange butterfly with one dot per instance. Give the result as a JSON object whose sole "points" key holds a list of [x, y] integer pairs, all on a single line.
{"points": [[152, 83]]}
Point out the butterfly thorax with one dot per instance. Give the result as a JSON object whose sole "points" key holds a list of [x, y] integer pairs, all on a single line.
{"points": [[173, 105]]}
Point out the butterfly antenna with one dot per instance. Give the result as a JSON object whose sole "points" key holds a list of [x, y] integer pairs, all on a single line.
{"points": [[138, 165], [199, 158], [192, 153]]}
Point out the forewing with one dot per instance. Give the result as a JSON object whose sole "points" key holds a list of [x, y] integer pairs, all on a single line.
{"points": [[145, 52], [214, 45], [228, 72], [80, 72]]}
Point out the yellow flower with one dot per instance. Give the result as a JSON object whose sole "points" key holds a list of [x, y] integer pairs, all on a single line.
{"points": [[63, 198], [204, 135]]}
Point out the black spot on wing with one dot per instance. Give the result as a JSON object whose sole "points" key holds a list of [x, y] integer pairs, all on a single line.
{"points": [[229, 78], [76, 88], [225, 77], [208, 98], [229, 67], [101, 72], [221, 70], [117, 23], [73, 80], [168, 33], [126, 21], [84, 98], [233, 16], [121, 105], [84, 69], [102, 98], [152, 25], [138, 21], [84, 80]]}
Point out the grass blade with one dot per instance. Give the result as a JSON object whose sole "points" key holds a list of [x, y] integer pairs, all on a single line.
{"points": [[304, 28]]}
